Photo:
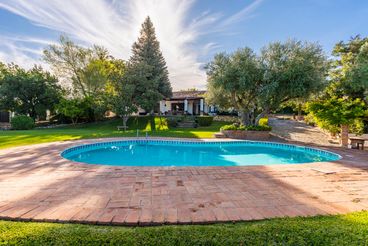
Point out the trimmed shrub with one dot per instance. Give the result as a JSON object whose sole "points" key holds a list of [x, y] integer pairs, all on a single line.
{"points": [[258, 128], [237, 127], [22, 122], [204, 120], [263, 122]]}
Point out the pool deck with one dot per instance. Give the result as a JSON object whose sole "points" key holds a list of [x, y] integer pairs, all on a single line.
{"points": [[37, 184]]}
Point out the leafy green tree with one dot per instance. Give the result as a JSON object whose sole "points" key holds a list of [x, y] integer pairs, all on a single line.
{"points": [[123, 90], [255, 85], [238, 78], [3, 70], [344, 102], [293, 70], [29, 92], [349, 74], [357, 76], [71, 108], [84, 67], [338, 112], [150, 67]]}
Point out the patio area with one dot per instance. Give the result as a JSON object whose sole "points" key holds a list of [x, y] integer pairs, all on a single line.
{"points": [[37, 184]]}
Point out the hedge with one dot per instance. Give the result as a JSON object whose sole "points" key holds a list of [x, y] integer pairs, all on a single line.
{"points": [[204, 120], [22, 122]]}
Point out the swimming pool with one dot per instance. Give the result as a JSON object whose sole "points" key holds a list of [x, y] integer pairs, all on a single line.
{"points": [[194, 153]]}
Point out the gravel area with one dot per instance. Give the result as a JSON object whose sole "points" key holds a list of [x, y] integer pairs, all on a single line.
{"points": [[296, 131]]}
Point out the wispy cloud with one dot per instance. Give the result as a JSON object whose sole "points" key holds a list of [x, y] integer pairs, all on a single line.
{"points": [[246, 12], [116, 24]]}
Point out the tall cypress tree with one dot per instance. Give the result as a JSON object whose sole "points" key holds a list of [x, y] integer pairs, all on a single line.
{"points": [[146, 55]]}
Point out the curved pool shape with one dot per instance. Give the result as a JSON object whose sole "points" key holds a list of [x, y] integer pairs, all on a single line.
{"points": [[194, 153]]}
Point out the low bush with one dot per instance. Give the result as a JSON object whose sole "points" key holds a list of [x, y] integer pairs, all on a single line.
{"points": [[204, 120], [237, 127], [258, 128], [22, 122], [309, 119], [263, 122]]}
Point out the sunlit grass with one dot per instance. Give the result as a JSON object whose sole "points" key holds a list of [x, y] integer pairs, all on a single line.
{"points": [[103, 130], [350, 229]]}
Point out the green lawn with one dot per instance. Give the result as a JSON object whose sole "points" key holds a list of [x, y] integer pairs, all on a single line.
{"points": [[103, 129], [351, 229]]}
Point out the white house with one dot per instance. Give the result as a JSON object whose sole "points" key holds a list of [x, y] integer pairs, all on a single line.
{"points": [[186, 102]]}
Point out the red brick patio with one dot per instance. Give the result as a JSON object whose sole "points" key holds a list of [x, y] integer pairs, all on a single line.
{"points": [[37, 184]]}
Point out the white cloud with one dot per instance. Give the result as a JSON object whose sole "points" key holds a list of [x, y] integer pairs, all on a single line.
{"points": [[116, 24]]}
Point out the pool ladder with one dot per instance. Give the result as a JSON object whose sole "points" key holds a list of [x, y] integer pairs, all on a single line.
{"points": [[138, 134]]}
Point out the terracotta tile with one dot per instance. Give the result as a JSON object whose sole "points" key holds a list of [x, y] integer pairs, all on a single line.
{"points": [[40, 186]]}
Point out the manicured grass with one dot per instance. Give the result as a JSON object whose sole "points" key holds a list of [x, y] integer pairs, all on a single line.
{"points": [[350, 229], [102, 130]]}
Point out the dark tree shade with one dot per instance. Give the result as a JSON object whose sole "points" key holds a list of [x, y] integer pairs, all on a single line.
{"points": [[146, 51]]}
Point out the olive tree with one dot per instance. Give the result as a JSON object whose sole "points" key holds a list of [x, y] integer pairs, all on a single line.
{"points": [[293, 70], [257, 84], [235, 80]]}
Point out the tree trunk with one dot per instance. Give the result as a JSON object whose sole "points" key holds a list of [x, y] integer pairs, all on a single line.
{"points": [[263, 114], [344, 135], [299, 112], [125, 120], [245, 119]]}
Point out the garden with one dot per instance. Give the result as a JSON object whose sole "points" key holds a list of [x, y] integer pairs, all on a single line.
{"points": [[89, 94]]}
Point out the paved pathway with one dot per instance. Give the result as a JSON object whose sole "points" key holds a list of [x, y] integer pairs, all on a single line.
{"points": [[300, 132], [37, 184]]}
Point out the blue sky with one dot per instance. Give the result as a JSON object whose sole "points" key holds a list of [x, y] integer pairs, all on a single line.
{"points": [[190, 31]]}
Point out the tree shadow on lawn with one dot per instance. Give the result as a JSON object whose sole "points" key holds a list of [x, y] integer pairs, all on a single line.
{"points": [[18, 138]]}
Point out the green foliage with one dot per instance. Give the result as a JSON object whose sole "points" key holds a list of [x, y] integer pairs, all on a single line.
{"points": [[22, 122], [30, 92], [309, 119], [349, 75], [263, 122], [204, 120], [293, 70], [72, 109], [150, 70], [235, 81], [258, 128], [250, 83], [123, 90], [337, 111], [237, 127], [84, 67]]}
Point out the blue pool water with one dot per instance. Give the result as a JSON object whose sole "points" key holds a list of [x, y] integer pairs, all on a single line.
{"points": [[188, 153]]}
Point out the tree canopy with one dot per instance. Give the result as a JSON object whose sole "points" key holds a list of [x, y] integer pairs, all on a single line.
{"points": [[235, 80], [84, 67], [251, 83], [29, 92], [344, 101]]}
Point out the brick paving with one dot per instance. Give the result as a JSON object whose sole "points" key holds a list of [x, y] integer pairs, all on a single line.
{"points": [[37, 184]]}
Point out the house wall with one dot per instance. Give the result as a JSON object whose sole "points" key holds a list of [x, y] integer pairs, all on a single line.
{"points": [[166, 106]]}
